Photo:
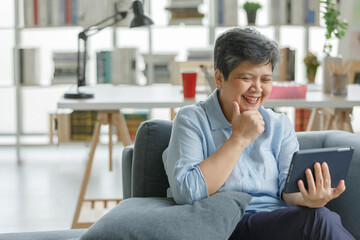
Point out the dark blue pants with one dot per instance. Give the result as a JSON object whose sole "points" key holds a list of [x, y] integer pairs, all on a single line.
{"points": [[292, 223]]}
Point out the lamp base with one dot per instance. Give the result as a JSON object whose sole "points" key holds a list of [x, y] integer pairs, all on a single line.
{"points": [[78, 95]]}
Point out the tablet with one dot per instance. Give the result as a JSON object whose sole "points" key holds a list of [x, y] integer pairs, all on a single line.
{"points": [[337, 158]]}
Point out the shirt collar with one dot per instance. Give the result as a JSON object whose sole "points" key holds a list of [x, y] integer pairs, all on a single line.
{"points": [[215, 114]]}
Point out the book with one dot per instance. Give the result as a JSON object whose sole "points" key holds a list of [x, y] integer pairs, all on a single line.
{"points": [[186, 21], [100, 68], [163, 63], [178, 14], [29, 13], [230, 13], [185, 12], [82, 125], [107, 66], [183, 4], [62, 12], [227, 13], [200, 54], [287, 65], [278, 12], [302, 116], [43, 12], [68, 12], [297, 14], [134, 119], [29, 66], [65, 67], [36, 12], [312, 12], [124, 66], [74, 12]]}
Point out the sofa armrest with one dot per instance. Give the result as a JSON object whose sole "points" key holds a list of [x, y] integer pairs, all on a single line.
{"points": [[127, 159], [312, 139]]}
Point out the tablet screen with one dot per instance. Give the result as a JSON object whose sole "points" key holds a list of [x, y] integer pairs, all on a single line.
{"points": [[337, 158]]}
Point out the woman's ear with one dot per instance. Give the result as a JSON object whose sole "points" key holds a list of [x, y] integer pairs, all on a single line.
{"points": [[219, 79]]}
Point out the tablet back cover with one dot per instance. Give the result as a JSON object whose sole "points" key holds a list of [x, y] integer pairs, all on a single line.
{"points": [[337, 158]]}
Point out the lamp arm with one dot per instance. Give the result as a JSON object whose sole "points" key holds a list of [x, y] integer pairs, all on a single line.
{"points": [[94, 27], [81, 79]]}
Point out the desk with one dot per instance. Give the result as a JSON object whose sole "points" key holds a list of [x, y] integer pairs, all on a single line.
{"points": [[109, 99], [170, 96], [335, 110]]}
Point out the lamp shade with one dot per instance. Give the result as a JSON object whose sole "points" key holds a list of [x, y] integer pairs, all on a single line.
{"points": [[139, 18]]}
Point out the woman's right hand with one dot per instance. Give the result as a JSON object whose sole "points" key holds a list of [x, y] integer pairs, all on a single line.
{"points": [[246, 126]]}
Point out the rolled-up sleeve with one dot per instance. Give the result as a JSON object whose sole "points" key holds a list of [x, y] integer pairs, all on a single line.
{"points": [[182, 157]]}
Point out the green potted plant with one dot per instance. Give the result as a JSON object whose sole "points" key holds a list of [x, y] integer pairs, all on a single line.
{"points": [[312, 63], [251, 9], [335, 29]]}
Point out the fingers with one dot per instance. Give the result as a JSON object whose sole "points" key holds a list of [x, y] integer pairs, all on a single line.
{"points": [[326, 175], [319, 191], [339, 189], [310, 181], [236, 108], [318, 175], [302, 189]]}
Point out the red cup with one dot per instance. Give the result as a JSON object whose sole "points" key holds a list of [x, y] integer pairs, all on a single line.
{"points": [[189, 83]]}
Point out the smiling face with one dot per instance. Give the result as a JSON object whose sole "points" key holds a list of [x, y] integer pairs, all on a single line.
{"points": [[249, 84]]}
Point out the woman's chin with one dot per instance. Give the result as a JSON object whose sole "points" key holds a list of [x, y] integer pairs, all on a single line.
{"points": [[248, 108]]}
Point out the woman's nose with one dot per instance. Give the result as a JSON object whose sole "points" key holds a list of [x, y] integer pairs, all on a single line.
{"points": [[256, 86]]}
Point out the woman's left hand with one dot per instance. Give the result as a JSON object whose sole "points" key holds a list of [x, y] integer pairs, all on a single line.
{"points": [[319, 192]]}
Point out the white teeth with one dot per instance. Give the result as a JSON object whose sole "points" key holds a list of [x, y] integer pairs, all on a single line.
{"points": [[251, 98]]}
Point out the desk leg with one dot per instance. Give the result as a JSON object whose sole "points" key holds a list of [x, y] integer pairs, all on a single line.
{"points": [[313, 119], [51, 127], [338, 119], [104, 117], [95, 140], [172, 114], [120, 122], [110, 140]]}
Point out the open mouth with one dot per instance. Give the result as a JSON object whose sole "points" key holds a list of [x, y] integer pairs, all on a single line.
{"points": [[251, 100]]}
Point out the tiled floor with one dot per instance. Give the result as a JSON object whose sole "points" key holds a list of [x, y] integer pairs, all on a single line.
{"points": [[42, 192]]}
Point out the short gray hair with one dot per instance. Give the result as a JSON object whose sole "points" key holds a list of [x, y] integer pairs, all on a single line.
{"points": [[238, 45]]}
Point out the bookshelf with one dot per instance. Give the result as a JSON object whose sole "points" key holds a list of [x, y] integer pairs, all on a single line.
{"points": [[157, 39]]}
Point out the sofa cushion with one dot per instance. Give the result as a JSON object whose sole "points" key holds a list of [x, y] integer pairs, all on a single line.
{"points": [[160, 218]]}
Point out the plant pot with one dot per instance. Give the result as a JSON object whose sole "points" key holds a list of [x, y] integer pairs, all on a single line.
{"points": [[311, 73], [251, 17]]}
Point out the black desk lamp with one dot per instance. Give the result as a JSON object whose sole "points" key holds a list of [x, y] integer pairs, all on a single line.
{"points": [[139, 20]]}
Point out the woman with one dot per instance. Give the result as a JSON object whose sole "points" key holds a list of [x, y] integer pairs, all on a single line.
{"points": [[230, 142]]}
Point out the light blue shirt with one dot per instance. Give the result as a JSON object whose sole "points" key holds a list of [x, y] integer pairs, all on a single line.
{"points": [[201, 129]]}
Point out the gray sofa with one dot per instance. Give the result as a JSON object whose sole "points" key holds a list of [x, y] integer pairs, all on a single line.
{"points": [[144, 175]]}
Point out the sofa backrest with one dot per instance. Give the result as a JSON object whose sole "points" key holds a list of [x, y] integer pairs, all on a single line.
{"points": [[149, 178]]}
